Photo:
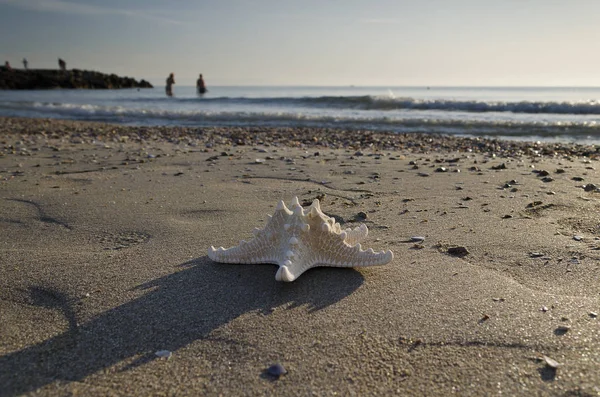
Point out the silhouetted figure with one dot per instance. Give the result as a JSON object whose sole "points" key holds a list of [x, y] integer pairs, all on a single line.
{"points": [[25, 63], [170, 82], [62, 65], [201, 86], [7, 65]]}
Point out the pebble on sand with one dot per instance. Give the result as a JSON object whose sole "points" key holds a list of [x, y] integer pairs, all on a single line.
{"points": [[561, 330], [276, 370], [361, 216], [458, 251]]}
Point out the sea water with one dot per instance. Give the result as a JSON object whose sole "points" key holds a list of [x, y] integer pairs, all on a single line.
{"points": [[565, 114]]}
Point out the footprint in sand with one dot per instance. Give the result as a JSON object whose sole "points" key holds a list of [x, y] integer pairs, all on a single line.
{"points": [[122, 240]]}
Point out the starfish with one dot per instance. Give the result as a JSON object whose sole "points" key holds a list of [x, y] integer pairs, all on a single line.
{"points": [[298, 239]]}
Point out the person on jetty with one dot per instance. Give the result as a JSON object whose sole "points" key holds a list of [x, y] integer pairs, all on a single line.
{"points": [[201, 86], [170, 82], [25, 63], [62, 65], [7, 65]]}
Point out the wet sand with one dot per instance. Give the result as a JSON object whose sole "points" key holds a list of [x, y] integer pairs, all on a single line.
{"points": [[105, 231]]}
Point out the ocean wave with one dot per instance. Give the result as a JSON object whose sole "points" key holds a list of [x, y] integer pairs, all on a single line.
{"points": [[294, 118], [390, 103]]}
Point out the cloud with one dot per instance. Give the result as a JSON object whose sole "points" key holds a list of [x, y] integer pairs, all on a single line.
{"points": [[66, 7]]}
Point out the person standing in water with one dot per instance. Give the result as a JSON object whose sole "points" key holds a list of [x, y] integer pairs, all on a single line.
{"points": [[200, 85], [170, 82]]}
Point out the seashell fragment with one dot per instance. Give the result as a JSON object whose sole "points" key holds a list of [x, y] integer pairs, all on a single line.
{"points": [[551, 362], [298, 239]]}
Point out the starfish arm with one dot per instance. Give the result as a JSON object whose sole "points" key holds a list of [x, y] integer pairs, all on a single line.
{"points": [[284, 274], [356, 235], [257, 250], [243, 253], [260, 248], [355, 256]]}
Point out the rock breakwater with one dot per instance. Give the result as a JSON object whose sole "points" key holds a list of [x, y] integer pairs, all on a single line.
{"points": [[37, 79]]}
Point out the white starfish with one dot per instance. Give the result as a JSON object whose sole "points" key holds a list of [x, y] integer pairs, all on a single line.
{"points": [[298, 239]]}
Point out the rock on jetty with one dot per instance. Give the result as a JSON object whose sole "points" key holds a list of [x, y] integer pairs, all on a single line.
{"points": [[38, 79]]}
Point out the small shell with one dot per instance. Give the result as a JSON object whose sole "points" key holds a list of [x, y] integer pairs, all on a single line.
{"points": [[164, 354], [551, 362]]}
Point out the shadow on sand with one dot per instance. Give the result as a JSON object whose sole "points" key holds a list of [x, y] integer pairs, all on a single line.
{"points": [[177, 309]]}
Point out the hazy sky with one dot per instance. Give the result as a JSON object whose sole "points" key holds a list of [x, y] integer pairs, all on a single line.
{"points": [[312, 42]]}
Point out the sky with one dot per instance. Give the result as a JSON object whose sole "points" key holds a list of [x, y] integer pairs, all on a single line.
{"points": [[312, 42]]}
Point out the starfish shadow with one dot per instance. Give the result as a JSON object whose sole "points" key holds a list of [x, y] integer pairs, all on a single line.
{"points": [[176, 310]]}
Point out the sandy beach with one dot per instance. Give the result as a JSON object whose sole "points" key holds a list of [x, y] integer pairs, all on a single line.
{"points": [[103, 262]]}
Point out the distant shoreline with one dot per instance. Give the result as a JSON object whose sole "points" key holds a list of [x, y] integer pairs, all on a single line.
{"points": [[41, 79]]}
